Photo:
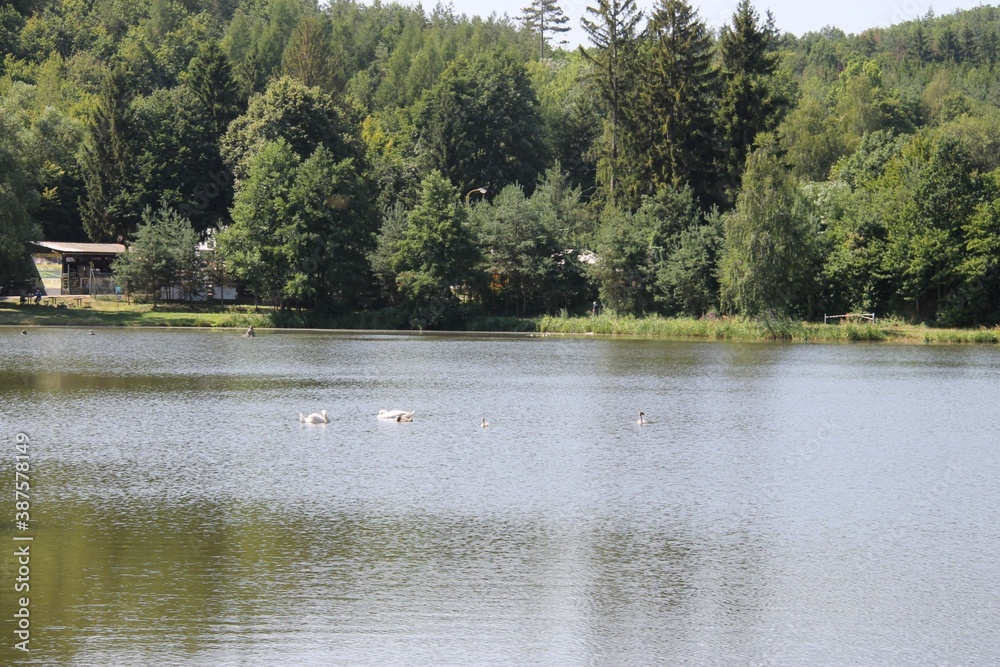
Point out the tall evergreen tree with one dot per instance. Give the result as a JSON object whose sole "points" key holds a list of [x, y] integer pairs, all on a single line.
{"points": [[750, 103], [210, 77], [544, 16], [105, 161], [613, 33], [675, 120], [308, 56]]}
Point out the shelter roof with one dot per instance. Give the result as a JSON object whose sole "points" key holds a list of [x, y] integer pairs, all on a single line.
{"points": [[82, 248]]}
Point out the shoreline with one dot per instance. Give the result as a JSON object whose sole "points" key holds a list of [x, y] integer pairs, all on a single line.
{"points": [[111, 314]]}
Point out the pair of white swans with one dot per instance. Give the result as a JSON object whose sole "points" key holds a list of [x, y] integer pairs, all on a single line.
{"points": [[386, 415]]}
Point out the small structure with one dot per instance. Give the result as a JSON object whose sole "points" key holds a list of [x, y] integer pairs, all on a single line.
{"points": [[75, 268], [870, 317]]}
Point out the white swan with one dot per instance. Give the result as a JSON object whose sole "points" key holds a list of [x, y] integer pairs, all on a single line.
{"points": [[392, 415], [315, 418], [485, 423], [642, 419]]}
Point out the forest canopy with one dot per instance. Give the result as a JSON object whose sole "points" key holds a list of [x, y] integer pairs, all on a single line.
{"points": [[354, 157]]}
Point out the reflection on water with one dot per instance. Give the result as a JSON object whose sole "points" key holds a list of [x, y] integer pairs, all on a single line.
{"points": [[789, 505]]}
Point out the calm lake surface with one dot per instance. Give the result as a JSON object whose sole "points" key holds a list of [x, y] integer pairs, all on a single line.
{"points": [[789, 504]]}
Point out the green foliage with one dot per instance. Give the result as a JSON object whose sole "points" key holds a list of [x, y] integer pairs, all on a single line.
{"points": [[304, 117], [517, 250], [770, 244], [308, 55], [393, 228], [109, 210], [50, 141], [751, 100], [434, 260], [17, 197], [162, 254], [613, 32], [115, 105], [687, 279], [650, 260], [333, 233], [209, 76], [175, 157], [571, 115], [674, 142], [259, 244], [480, 125]]}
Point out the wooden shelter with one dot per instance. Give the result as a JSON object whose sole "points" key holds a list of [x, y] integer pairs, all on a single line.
{"points": [[75, 268]]}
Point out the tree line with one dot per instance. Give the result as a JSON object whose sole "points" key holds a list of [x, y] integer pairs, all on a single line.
{"points": [[347, 157]]}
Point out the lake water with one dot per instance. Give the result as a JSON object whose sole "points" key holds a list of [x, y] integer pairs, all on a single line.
{"points": [[789, 504]]}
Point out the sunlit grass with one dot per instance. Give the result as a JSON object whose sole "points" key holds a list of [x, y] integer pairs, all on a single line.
{"points": [[734, 328]]}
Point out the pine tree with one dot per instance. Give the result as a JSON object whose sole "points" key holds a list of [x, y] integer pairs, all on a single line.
{"points": [[919, 46], [544, 16], [750, 104], [105, 161], [675, 139], [613, 32], [210, 77], [162, 254]]}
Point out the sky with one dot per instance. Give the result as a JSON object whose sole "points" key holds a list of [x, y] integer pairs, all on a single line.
{"points": [[795, 16]]}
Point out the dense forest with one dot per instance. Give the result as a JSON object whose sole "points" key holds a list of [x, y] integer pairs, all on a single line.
{"points": [[350, 157]]}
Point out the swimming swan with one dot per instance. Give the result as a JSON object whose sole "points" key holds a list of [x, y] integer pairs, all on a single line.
{"points": [[392, 415], [642, 419], [485, 423], [315, 418]]}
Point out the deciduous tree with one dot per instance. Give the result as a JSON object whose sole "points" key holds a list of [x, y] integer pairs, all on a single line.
{"points": [[770, 254], [436, 253], [480, 125]]}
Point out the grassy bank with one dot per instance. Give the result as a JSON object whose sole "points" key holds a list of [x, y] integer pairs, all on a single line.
{"points": [[109, 313], [743, 329]]}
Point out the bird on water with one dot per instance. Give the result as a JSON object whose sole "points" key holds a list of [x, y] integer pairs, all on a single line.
{"points": [[315, 418]]}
